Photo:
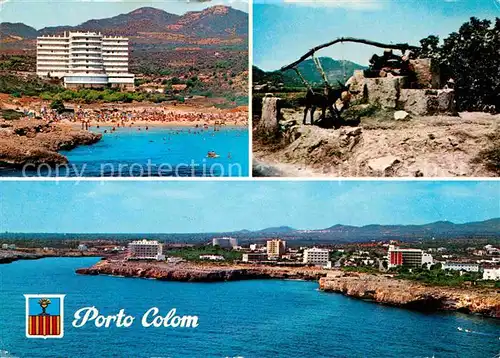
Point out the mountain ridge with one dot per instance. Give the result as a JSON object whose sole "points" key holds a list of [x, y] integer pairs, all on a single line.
{"points": [[215, 21], [485, 228], [335, 70]]}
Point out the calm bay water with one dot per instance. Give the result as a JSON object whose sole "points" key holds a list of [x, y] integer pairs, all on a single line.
{"points": [[246, 319], [159, 151]]}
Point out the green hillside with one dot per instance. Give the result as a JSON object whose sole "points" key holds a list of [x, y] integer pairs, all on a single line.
{"points": [[336, 70]]}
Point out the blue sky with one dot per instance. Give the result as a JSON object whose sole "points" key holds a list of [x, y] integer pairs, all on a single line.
{"points": [[283, 31], [42, 13], [214, 206]]}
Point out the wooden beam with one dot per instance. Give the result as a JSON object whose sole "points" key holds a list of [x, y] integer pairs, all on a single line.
{"points": [[402, 47], [303, 79], [320, 69]]}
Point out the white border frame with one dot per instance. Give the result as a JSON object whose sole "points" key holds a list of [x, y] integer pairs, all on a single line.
{"points": [[61, 309]]}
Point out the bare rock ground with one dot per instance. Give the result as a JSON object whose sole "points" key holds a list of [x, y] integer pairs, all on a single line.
{"points": [[430, 146], [36, 142]]}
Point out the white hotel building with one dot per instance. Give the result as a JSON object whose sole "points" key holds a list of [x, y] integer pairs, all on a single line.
{"points": [[146, 250], [316, 256], [85, 59]]}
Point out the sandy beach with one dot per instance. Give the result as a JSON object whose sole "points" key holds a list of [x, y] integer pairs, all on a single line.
{"points": [[140, 115]]}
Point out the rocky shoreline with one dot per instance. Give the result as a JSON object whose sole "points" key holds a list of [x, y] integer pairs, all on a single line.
{"points": [[199, 272], [377, 288], [35, 142], [386, 290], [9, 256], [6, 257]]}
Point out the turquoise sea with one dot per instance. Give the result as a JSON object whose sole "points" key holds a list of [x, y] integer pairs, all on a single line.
{"points": [[158, 151], [236, 319]]}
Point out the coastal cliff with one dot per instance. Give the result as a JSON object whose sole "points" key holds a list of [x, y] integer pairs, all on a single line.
{"points": [[6, 257], [402, 293], [377, 288], [35, 142], [199, 272]]}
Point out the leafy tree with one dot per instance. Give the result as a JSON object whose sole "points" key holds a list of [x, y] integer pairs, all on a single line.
{"points": [[176, 81], [471, 57], [57, 105]]}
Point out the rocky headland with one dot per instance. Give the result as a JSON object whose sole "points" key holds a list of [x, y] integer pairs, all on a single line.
{"points": [[381, 289], [8, 256], [35, 142], [199, 272], [387, 290]]}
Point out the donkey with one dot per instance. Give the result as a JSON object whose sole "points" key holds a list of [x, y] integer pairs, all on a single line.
{"points": [[323, 100]]}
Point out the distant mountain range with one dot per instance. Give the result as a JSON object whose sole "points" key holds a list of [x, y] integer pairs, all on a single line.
{"points": [[334, 234], [335, 70], [216, 21], [439, 229]]}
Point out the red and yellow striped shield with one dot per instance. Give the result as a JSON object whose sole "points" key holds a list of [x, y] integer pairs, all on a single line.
{"points": [[44, 316], [44, 325]]}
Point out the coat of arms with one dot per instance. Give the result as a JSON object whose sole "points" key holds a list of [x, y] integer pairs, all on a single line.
{"points": [[44, 316]]}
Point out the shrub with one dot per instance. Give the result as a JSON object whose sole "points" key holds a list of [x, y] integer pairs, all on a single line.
{"points": [[57, 105], [10, 114]]}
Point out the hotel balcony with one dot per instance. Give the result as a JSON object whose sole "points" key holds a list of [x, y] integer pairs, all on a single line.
{"points": [[52, 47], [84, 35], [115, 63], [52, 42], [48, 62], [82, 40], [52, 67], [117, 69], [86, 63], [52, 52], [86, 68], [115, 57], [115, 49], [85, 46], [114, 43], [89, 57], [52, 60], [86, 51]]}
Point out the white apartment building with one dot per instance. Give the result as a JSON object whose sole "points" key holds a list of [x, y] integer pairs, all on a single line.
{"points": [[82, 247], [276, 248], [491, 273], [427, 260], [146, 250], [212, 257], [85, 59], [460, 266], [316, 256], [225, 242], [8, 246], [254, 256]]}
